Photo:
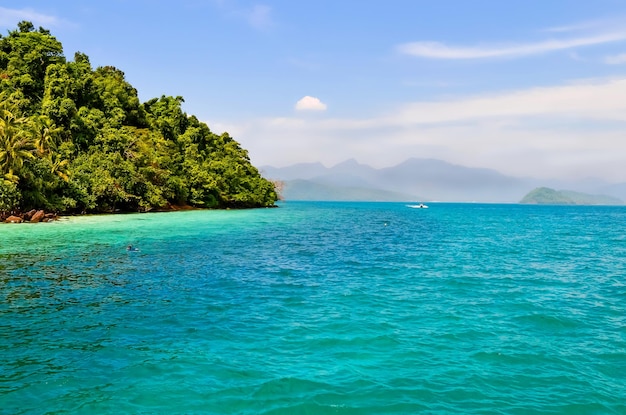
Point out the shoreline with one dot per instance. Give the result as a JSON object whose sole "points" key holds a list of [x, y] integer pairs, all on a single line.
{"points": [[41, 216], [32, 216]]}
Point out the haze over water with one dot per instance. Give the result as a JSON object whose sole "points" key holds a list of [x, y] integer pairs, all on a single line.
{"points": [[317, 308]]}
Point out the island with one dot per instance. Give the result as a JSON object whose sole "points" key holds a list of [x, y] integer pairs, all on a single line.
{"points": [[74, 139], [547, 196]]}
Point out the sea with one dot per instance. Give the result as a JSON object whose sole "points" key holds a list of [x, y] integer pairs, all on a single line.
{"points": [[317, 308]]}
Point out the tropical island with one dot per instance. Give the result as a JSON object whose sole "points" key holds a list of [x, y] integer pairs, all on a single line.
{"points": [[74, 139], [548, 196]]}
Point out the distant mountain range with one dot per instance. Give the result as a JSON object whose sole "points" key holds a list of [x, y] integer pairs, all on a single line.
{"points": [[418, 180]]}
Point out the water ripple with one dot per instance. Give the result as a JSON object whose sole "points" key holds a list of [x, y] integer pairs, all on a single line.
{"points": [[329, 308]]}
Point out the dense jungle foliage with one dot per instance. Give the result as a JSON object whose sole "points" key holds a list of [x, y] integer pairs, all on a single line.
{"points": [[75, 139]]}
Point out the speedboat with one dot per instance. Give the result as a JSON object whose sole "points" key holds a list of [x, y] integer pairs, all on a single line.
{"points": [[420, 206]]}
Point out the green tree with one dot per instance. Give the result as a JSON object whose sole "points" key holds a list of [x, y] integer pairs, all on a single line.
{"points": [[9, 196], [117, 98], [25, 55], [166, 115], [16, 145], [46, 135], [77, 139]]}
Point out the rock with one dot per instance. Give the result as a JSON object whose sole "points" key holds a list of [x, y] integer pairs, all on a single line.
{"points": [[28, 215], [37, 217], [14, 219]]}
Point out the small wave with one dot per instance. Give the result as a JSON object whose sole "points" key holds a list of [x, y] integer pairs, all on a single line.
{"points": [[547, 321], [287, 387]]}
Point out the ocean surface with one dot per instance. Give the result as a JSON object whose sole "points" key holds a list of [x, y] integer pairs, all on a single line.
{"points": [[317, 308]]}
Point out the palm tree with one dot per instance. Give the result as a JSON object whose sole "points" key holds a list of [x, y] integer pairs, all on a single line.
{"points": [[45, 134], [16, 145], [59, 167]]}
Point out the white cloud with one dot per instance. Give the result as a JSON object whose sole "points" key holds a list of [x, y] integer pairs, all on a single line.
{"points": [[594, 24], [309, 103], [606, 24], [437, 50], [616, 59], [10, 17], [598, 100]]}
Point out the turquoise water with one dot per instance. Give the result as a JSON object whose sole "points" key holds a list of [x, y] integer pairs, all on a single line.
{"points": [[317, 308]]}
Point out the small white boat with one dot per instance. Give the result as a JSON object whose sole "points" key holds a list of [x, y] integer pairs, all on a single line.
{"points": [[420, 206]]}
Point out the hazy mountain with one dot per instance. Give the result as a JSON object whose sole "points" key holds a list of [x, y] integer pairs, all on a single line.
{"points": [[439, 180], [296, 171], [308, 190], [419, 180], [616, 190]]}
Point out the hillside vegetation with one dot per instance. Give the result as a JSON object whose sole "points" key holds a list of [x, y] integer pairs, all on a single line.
{"points": [[77, 139], [547, 196]]}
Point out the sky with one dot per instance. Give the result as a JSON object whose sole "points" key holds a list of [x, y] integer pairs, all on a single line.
{"points": [[533, 88]]}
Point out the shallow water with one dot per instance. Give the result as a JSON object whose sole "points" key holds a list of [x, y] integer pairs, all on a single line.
{"points": [[317, 308]]}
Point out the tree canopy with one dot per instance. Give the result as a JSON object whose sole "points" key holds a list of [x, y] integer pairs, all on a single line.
{"points": [[77, 139]]}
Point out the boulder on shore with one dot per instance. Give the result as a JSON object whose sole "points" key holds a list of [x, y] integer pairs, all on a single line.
{"points": [[37, 217], [32, 216], [28, 215]]}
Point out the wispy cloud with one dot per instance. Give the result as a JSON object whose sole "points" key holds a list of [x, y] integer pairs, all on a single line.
{"points": [[580, 100], [590, 33], [606, 24], [10, 17], [437, 50], [595, 24]]}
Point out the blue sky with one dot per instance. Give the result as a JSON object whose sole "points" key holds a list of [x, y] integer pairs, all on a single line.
{"points": [[530, 88]]}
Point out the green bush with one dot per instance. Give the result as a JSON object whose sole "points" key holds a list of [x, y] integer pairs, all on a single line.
{"points": [[9, 196]]}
